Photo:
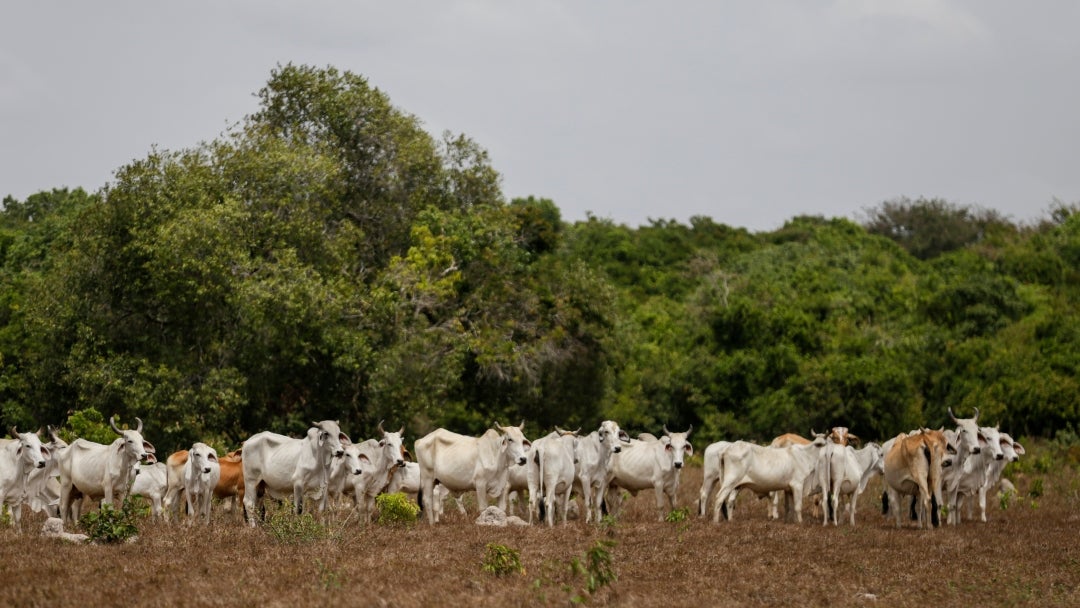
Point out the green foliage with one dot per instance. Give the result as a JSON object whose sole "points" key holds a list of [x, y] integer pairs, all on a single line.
{"points": [[396, 510], [1036, 489], [501, 560], [597, 566], [329, 579], [89, 424], [287, 528], [677, 515], [111, 525]]}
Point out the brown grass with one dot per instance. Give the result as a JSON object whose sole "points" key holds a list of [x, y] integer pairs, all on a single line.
{"points": [[1025, 555]]}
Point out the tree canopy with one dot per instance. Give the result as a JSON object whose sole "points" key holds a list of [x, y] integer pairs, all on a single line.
{"points": [[328, 258]]}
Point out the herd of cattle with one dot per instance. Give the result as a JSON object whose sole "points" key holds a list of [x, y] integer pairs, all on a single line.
{"points": [[938, 468]]}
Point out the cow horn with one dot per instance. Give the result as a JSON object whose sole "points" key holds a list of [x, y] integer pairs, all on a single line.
{"points": [[498, 427], [138, 424], [951, 415], [14, 432], [976, 414], [380, 429], [689, 430], [522, 425], [401, 431], [112, 423], [666, 432], [577, 432], [559, 430], [52, 431]]}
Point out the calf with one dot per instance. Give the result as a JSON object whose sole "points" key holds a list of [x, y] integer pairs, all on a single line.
{"points": [[201, 474], [382, 456], [18, 457], [151, 482], [229, 488]]}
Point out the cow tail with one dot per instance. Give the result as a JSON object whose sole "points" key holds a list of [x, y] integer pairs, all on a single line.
{"points": [[935, 519], [884, 502], [420, 498], [540, 486]]}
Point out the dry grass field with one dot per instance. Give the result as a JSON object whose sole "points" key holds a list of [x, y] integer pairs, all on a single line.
{"points": [[1025, 555]]}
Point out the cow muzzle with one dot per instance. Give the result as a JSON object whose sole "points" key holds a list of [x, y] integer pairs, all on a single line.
{"points": [[206, 470], [521, 460], [976, 450], [41, 464], [999, 457], [616, 449], [678, 465]]}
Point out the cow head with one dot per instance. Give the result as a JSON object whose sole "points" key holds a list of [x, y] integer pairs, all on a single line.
{"points": [[970, 439], [991, 435], [611, 435], [818, 439], [1012, 449], [571, 439], [677, 445], [30, 450], [202, 459], [352, 459], [517, 446], [393, 451], [841, 436], [133, 443], [330, 438]]}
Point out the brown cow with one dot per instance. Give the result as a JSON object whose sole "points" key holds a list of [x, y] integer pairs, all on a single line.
{"points": [[913, 466], [229, 486]]}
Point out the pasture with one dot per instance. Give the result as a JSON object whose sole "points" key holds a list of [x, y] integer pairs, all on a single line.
{"points": [[1026, 554]]}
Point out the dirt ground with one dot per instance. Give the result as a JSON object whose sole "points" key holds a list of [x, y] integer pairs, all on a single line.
{"points": [[1024, 555]]}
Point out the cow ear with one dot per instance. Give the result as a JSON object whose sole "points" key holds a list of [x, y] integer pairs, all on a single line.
{"points": [[344, 439], [148, 447], [45, 452], [1019, 448], [406, 454], [689, 449], [364, 458]]}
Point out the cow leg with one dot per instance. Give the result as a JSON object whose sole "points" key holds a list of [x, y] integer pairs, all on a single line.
{"points": [[982, 504]]}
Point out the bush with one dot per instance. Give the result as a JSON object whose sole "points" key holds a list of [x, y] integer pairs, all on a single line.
{"points": [[396, 509], [111, 525], [501, 560], [287, 528]]}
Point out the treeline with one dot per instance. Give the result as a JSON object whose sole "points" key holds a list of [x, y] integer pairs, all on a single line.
{"points": [[328, 258]]}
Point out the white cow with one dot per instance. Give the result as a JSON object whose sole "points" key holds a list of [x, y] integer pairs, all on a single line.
{"points": [[151, 482], [712, 464], [344, 472], [652, 464], [764, 469], [594, 465], [461, 463], [18, 457], [832, 471], [285, 467], [850, 474], [382, 455], [1012, 452], [551, 472], [43, 486], [973, 477], [93, 470], [201, 474]]}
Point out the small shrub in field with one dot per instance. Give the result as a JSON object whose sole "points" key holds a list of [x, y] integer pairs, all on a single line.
{"points": [[111, 525], [396, 509], [1036, 488], [287, 528], [677, 515], [598, 567], [501, 560]]}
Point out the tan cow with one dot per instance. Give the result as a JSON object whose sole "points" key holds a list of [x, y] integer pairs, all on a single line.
{"points": [[913, 467]]}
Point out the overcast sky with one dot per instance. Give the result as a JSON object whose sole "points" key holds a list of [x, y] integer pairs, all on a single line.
{"points": [[749, 112]]}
